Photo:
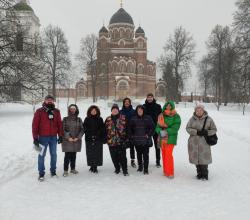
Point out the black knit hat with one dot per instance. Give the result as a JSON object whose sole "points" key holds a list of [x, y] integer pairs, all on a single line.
{"points": [[115, 106], [49, 97]]}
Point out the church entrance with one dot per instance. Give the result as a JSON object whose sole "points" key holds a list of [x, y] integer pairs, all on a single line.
{"points": [[122, 90]]}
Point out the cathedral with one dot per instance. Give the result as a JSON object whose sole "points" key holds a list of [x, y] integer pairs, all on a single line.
{"points": [[123, 68]]}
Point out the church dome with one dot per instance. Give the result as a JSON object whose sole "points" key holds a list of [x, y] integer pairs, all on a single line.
{"points": [[139, 30], [103, 30], [22, 6], [121, 16]]}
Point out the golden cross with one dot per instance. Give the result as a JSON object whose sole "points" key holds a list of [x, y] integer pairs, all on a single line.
{"points": [[121, 3]]}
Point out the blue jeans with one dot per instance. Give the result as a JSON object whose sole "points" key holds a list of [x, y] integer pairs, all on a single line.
{"points": [[46, 141]]}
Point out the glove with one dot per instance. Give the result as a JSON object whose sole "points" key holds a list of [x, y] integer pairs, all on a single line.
{"points": [[60, 140], [36, 142], [202, 133]]}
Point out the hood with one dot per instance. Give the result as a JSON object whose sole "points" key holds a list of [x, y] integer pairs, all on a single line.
{"points": [[77, 109], [97, 110], [167, 103], [140, 106]]}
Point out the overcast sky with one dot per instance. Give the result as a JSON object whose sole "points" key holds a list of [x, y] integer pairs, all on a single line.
{"points": [[158, 18]]}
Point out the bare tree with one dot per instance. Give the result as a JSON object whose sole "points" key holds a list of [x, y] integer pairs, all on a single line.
{"points": [[205, 76], [21, 67], [220, 52], [56, 56], [168, 77], [179, 52], [88, 58], [242, 29]]}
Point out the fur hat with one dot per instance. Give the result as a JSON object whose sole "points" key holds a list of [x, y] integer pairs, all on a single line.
{"points": [[150, 95]]}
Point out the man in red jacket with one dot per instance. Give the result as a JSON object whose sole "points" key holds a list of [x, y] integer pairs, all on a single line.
{"points": [[46, 125]]}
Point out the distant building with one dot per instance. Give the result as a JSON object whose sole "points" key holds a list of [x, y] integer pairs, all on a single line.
{"points": [[27, 28], [124, 69]]}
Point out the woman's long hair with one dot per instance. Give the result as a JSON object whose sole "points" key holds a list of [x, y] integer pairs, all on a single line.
{"points": [[98, 113]]}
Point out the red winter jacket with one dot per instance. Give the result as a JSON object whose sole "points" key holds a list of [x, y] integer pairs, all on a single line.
{"points": [[43, 126]]}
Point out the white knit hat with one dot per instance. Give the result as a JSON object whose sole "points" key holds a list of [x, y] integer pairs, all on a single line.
{"points": [[199, 105]]}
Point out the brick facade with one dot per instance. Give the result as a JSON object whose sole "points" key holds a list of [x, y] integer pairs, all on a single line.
{"points": [[122, 65]]}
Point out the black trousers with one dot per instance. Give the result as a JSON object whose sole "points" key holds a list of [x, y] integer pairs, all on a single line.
{"points": [[142, 157], [69, 158], [132, 152], [157, 150], [202, 170], [118, 156]]}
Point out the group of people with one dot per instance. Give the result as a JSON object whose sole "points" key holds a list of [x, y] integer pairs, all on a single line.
{"points": [[134, 129]]}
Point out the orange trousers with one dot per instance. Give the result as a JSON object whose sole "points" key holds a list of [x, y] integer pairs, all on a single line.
{"points": [[167, 159]]}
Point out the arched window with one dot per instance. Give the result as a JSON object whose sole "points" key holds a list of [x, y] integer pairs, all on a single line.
{"points": [[117, 35], [140, 69], [81, 91], [115, 67], [122, 67], [130, 67], [103, 68], [122, 33], [150, 70], [140, 44], [128, 34]]}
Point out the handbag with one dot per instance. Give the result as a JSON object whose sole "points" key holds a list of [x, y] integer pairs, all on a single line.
{"points": [[212, 139], [149, 142]]}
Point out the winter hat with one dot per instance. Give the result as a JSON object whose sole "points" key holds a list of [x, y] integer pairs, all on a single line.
{"points": [[49, 97], [150, 95], [115, 106], [199, 105]]}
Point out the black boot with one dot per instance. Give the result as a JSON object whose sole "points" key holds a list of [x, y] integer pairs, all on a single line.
{"points": [[199, 174], [133, 164], [204, 172], [140, 168], [41, 178], [117, 171], [158, 164], [91, 169], [95, 170], [125, 173]]}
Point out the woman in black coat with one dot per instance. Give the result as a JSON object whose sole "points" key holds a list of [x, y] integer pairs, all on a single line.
{"points": [[141, 130], [94, 137]]}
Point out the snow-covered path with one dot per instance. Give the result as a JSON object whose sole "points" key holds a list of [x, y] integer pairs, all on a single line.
{"points": [[107, 196]]}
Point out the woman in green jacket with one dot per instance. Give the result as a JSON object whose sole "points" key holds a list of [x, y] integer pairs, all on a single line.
{"points": [[167, 128]]}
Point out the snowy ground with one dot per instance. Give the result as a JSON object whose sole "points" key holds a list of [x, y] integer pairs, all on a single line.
{"points": [[107, 196]]}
